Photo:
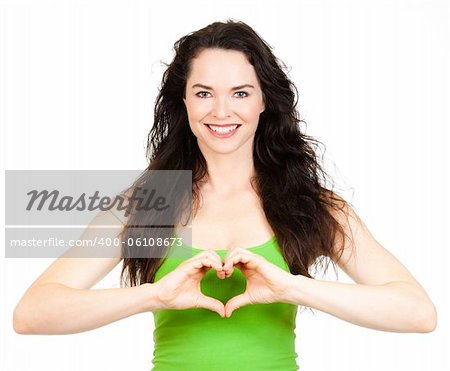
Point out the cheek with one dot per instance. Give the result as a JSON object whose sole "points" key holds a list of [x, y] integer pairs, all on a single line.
{"points": [[196, 110], [250, 110]]}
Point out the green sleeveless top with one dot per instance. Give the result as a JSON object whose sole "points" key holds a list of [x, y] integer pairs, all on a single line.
{"points": [[255, 337]]}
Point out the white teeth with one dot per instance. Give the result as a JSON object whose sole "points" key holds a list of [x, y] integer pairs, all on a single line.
{"points": [[221, 130]]}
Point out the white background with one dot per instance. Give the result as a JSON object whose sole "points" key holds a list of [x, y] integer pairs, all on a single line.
{"points": [[78, 82]]}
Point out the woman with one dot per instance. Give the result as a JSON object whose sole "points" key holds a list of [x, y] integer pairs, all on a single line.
{"points": [[261, 219]]}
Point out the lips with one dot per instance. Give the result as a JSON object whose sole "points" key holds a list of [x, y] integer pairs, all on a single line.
{"points": [[223, 125], [221, 131]]}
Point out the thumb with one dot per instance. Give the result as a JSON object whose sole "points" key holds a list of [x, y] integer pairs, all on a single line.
{"points": [[235, 303], [211, 304]]}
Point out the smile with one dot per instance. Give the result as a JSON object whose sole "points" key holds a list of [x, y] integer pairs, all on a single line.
{"points": [[223, 131]]}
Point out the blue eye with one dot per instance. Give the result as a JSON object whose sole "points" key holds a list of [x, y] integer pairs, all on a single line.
{"points": [[242, 92], [201, 92], [204, 94]]}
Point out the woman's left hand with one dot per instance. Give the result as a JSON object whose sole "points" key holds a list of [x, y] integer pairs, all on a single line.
{"points": [[266, 282]]}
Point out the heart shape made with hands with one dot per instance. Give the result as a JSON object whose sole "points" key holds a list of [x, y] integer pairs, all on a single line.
{"points": [[223, 289], [249, 279]]}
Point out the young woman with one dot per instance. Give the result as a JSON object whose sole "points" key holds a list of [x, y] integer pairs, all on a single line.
{"points": [[262, 218]]}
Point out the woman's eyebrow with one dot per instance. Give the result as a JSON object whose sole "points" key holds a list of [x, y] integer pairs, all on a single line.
{"points": [[235, 88]]}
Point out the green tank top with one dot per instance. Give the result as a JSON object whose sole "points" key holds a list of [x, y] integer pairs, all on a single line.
{"points": [[255, 337]]}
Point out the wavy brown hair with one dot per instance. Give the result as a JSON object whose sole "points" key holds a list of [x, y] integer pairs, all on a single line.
{"points": [[289, 179]]}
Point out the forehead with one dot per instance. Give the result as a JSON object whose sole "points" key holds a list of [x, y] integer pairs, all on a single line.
{"points": [[219, 66]]}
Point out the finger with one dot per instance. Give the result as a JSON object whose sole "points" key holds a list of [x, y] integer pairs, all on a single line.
{"points": [[212, 255], [237, 250], [235, 303], [212, 304], [232, 252], [218, 259], [203, 262], [215, 254], [228, 268], [207, 262], [238, 257]]}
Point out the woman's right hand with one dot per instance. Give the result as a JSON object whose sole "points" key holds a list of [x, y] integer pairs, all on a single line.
{"points": [[180, 289]]}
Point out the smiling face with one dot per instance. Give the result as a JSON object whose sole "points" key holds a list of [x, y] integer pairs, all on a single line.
{"points": [[223, 101]]}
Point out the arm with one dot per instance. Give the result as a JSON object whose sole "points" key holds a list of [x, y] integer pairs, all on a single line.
{"points": [[53, 308], [385, 297], [60, 301], [394, 306]]}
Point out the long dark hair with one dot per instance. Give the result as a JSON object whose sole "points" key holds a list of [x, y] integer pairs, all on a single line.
{"points": [[289, 178]]}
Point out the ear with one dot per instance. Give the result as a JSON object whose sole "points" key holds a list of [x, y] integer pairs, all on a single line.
{"points": [[263, 103]]}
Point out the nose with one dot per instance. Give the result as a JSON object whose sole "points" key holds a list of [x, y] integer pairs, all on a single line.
{"points": [[221, 108]]}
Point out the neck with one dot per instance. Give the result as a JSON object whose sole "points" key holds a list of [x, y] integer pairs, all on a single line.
{"points": [[228, 173]]}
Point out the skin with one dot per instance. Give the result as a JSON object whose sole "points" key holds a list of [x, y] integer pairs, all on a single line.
{"points": [[180, 289], [382, 298], [230, 162], [218, 101], [64, 290], [385, 291]]}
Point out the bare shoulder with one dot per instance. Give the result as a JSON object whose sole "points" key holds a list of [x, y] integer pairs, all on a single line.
{"points": [[119, 213], [84, 272], [346, 217], [359, 254]]}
